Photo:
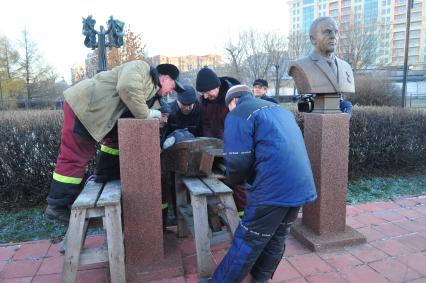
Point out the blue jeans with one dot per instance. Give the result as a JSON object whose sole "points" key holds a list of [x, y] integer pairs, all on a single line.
{"points": [[258, 245]]}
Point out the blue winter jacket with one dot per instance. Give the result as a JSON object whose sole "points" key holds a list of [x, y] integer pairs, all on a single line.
{"points": [[263, 146]]}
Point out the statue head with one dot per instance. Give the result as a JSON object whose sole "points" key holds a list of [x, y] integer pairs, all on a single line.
{"points": [[324, 35]]}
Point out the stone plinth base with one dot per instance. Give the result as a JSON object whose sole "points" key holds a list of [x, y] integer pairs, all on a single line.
{"points": [[169, 266], [328, 241]]}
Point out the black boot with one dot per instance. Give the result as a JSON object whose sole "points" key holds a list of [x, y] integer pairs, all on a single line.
{"points": [[57, 213], [107, 167]]}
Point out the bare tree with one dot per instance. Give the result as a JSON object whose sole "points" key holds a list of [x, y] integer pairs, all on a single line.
{"points": [[32, 67], [358, 42], [132, 49], [235, 55], [255, 53], [299, 45]]}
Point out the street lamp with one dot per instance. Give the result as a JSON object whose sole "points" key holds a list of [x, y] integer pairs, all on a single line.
{"points": [[277, 85], [115, 32], [407, 39]]}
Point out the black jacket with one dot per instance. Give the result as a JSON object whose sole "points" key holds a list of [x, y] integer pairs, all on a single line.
{"points": [[178, 120]]}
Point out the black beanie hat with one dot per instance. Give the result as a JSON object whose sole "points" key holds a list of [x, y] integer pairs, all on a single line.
{"points": [[260, 82], [188, 96], [206, 80]]}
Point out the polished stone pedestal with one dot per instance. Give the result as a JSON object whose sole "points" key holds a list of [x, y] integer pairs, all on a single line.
{"points": [[323, 224]]}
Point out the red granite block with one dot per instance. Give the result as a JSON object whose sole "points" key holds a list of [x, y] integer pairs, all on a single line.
{"points": [[329, 277], [7, 252], [191, 278], [179, 279], [187, 246], [20, 268], [363, 274], [141, 190], [327, 142], [352, 210], [32, 250], [394, 270], [285, 271], [54, 250], [411, 213], [309, 264], [3, 264], [340, 260]]}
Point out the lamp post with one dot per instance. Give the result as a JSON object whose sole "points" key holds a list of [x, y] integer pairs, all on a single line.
{"points": [[115, 33], [277, 83], [407, 39]]}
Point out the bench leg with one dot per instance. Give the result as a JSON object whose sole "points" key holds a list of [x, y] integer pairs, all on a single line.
{"points": [[181, 200], [230, 211], [74, 243], [201, 231], [114, 233]]}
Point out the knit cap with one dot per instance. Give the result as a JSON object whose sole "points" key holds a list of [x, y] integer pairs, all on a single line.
{"points": [[206, 80], [236, 91]]}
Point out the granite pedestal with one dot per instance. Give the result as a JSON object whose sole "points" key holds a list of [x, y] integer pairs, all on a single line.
{"points": [[148, 254], [323, 224]]}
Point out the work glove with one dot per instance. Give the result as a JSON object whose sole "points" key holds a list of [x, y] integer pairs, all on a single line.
{"points": [[169, 142], [346, 107], [154, 113]]}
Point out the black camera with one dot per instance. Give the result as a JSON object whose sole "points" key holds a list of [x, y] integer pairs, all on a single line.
{"points": [[306, 103]]}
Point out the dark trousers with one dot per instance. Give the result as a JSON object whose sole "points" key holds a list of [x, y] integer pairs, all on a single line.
{"points": [[258, 245], [76, 150]]}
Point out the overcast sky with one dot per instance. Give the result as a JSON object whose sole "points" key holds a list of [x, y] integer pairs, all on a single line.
{"points": [[196, 27]]}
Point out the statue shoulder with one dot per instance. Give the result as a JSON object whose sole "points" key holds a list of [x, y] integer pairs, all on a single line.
{"points": [[343, 64]]}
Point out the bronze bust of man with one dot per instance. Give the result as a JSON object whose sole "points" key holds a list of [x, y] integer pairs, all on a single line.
{"points": [[322, 73]]}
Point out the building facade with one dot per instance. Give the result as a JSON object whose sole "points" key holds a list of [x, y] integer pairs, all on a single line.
{"points": [[189, 62], [382, 21]]}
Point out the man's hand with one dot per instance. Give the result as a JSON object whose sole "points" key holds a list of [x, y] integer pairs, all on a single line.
{"points": [[154, 113], [163, 119]]}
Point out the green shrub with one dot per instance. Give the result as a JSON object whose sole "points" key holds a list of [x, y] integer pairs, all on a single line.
{"points": [[386, 140], [28, 147], [375, 91]]}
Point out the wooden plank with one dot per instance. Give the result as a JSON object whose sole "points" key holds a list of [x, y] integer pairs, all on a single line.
{"points": [[216, 185], [74, 242], [217, 152], [206, 163], [186, 213], [113, 226], [196, 187], [88, 196], [181, 200], [94, 255], [111, 194], [202, 242], [231, 211]]}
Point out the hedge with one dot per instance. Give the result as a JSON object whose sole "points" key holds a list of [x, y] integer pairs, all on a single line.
{"points": [[382, 140]]}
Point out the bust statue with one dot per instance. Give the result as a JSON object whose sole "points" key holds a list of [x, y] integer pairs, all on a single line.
{"points": [[322, 73]]}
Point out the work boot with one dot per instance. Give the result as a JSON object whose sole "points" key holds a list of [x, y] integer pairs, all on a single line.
{"points": [[57, 213]]}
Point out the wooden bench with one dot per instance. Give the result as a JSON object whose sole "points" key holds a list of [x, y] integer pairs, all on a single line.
{"points": [[193, 216], [95, 200]]}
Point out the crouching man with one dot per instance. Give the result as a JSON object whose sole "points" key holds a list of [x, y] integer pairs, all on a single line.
{"points": [[263, 147]]}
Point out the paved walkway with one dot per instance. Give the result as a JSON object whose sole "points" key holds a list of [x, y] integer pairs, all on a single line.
{"points": [[395, 252]]}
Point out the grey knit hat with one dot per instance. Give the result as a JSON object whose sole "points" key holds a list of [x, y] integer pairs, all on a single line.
{"points": [[236, 91]]}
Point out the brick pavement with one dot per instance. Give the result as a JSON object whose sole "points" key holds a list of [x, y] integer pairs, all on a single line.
{"points": [[395, 252]]}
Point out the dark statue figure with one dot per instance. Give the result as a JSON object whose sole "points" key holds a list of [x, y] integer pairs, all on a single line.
{"points": [[115, 33]]}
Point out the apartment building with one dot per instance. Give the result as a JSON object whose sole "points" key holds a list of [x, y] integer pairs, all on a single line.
{"points": [[382, 20]]}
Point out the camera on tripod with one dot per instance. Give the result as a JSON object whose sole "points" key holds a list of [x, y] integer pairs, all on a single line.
{"points": [[306, 103]]}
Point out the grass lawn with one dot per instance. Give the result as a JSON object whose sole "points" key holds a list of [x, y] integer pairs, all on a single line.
{"points": [[28, 224]]}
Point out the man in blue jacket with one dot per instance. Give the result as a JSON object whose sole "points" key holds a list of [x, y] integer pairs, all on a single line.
{"points": [[263, 148]]}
